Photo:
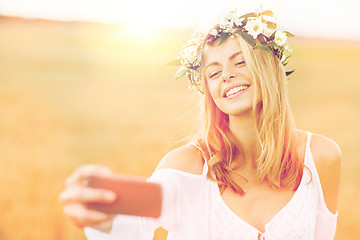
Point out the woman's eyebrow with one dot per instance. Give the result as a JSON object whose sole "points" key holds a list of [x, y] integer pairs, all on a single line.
{"points": [[234, 55], [212, 64], [230, 58]]}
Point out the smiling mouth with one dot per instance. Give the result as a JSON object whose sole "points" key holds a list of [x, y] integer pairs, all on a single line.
{"points": [[235, 90]]}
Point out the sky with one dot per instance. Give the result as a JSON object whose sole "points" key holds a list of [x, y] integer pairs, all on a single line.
{"points": [[336, 19]]}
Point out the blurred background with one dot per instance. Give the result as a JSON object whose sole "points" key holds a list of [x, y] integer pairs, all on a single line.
{"points": [[87, 82]]}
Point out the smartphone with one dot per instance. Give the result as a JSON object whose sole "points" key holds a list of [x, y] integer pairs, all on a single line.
{"points": [[135, 196]]}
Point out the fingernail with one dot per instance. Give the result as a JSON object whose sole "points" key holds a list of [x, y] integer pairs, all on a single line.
{"points": [[110, 196], [85, 182]]}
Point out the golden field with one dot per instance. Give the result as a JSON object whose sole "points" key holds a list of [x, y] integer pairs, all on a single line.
{"points": [[78, 93]]}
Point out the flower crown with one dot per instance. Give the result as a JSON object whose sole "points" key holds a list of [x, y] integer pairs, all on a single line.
{"points": [[258, 28]]}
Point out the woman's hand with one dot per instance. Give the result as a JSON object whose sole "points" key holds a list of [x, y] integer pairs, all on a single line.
{"points": [[76, 195]]}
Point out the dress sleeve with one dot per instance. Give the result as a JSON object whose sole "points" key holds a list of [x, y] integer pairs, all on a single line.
{"points": [[124, 227], [172, 203], [325, 225], [93, 234]]}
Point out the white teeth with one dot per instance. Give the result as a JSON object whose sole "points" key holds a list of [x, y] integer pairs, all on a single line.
{"points": [[236, 89]]}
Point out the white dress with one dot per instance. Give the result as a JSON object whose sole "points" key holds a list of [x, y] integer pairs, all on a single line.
{"points": [[194, 210]]}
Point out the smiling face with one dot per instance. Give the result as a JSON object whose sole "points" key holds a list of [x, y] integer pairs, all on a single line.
{"points": [[228, 78]]}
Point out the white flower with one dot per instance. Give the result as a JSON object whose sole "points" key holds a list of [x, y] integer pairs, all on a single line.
{"points": [[283, 57], [280, 37], [254, 27], [214, 32], [197, 37], [189, 53], [235, 18], [238, 21], [223, 22], [269, 18], [268, 31], [287, 48]]}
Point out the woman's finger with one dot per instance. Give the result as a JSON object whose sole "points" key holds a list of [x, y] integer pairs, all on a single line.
{"points": [[85, 171], [87, 194], [82, 216]]}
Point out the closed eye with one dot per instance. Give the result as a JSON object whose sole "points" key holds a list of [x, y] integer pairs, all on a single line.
{"points": [[215, 74], [240, 63]]}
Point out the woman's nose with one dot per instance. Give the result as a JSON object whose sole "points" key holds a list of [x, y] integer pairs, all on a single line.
{"points": [[228, 73], [228, 76]]}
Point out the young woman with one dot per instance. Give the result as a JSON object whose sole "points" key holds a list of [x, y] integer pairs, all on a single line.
{"points": [[252, 174]]}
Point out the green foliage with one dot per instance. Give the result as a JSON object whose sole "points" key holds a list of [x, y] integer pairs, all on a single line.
{"points": [[268, 13], [288, 34], [223, 37], [249, 15], [262, 47], [272, 44], [287, 58], [248, 38], [271, 25], [261, 39], [272, 35], [181, 72], [289, 72]]}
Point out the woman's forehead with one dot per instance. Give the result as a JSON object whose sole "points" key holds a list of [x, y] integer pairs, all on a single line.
{"points": [[217, 52]]}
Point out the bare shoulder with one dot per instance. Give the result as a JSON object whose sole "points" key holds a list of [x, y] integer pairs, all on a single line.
{"points": [[187, 158], [327, 157], [326, 153]]}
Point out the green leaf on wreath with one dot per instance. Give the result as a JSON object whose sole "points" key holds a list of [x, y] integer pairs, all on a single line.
{"points": [[248, 38], [181, 72], [223, 37], [268, 13], [262, 47], [289, 72], [273, 35], [288, 34], [250, 15], [272, 44], [271, 25], [287, 58], [261, 39]]}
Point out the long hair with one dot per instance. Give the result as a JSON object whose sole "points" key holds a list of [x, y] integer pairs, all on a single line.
{"points": [[278, 162]]}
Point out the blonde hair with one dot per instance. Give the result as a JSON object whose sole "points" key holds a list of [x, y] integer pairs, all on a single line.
{"points": [[278, 162]]}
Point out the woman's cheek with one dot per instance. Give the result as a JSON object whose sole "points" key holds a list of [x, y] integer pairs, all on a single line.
{"points": [[212, 87]]}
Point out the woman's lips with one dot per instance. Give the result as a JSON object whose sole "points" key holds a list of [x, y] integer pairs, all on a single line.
{"points": [[236, 90]]}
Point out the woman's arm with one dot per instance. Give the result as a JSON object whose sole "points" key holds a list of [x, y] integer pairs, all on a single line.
{"points": [[76, 196], [327, 158]]}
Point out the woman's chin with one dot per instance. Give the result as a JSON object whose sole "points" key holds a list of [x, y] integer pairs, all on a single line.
{"points": [[238, 111]]}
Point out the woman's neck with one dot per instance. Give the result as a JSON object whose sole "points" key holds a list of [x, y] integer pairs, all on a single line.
{"points": [[244, 130]]}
